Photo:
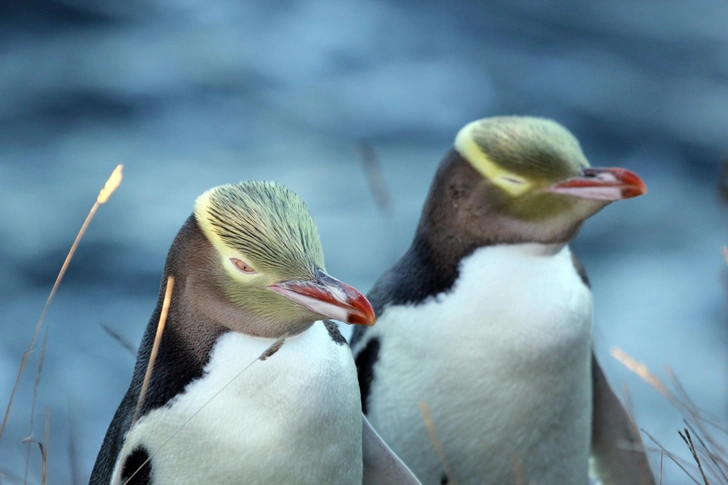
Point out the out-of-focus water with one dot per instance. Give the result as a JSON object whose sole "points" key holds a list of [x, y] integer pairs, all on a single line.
{"points": [[193, 94]]}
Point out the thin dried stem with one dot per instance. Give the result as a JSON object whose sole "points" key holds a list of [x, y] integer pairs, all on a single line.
{"points": [[44, 473], [155, 348], [715, 465], [697, 415], [674, 458], [111, 184], [152, 359], [32, 404], [436, 444], [627, 399], [8, 475], [375, 177], [73, 454], [641, 370], [376, 181], [715, 458], [689, 441], [272, 349], [123, 341]]}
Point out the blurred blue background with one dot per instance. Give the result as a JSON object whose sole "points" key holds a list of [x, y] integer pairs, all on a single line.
{"points": [[190, 94]]}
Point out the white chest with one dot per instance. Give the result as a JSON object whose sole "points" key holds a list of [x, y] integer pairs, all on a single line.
{"points": [[293, 418], [503, 362]]}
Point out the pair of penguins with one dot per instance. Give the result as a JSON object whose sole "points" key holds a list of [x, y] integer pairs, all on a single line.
{"points": [[486, 319]]}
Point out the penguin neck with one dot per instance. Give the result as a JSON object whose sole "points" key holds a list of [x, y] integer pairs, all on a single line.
{"points": [[198, 317], [463, 212], [182, 355], [458, 217], [193, 333], [199, 304]]}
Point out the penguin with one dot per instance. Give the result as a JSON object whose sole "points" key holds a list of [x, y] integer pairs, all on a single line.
{"points": [[487, 320], [251, 384]]}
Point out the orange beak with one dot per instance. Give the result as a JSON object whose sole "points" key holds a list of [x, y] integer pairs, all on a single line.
{"points": [[330, 298], [607, 184]]}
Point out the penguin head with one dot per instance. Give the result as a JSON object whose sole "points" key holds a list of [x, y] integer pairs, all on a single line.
{"points": [[267, 258], [535, 175]]}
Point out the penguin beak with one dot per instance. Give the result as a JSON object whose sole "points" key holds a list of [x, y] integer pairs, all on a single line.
{"points": [[608, 184], [330, 298]]}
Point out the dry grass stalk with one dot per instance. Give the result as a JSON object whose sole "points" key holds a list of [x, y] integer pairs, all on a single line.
{"points": [[682, 464], [713, 467], [128, 346], [152, 359], [640, 369], [9, 476], [155, 348], [436, 444], [382, 197], [627, 400], [272, 349], [111, 184], [689, 441], [375, 178], [32, 404], [44, 473], [715, 457], [73, 454], [724, 251]]}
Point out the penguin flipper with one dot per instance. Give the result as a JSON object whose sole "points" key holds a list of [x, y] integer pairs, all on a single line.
{"points": [[381, 465], [616, 449]]}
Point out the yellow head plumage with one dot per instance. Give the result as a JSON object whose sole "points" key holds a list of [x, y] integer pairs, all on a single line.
{"points": [[266, 224]]}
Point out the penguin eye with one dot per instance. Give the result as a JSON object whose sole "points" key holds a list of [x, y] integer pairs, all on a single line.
{"points": [[512, 180], [242, 266]]}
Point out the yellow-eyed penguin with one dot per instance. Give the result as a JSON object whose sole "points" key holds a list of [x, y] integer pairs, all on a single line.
{"points": [[487, 319], [248, 269]]}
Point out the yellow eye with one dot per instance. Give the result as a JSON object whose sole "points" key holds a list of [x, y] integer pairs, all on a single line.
{"points": [[242, 266]]}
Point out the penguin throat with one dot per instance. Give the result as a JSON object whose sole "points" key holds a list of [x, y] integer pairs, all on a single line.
{"points": [[255, 314]]}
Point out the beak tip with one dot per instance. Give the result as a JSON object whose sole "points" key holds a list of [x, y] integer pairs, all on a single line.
{"points": [[635, 186], [357, 319], [365, 313], [631, 192]]}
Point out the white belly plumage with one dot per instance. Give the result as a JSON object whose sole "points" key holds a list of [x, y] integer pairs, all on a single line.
{"points": [[503, 361], [294, 418]]}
